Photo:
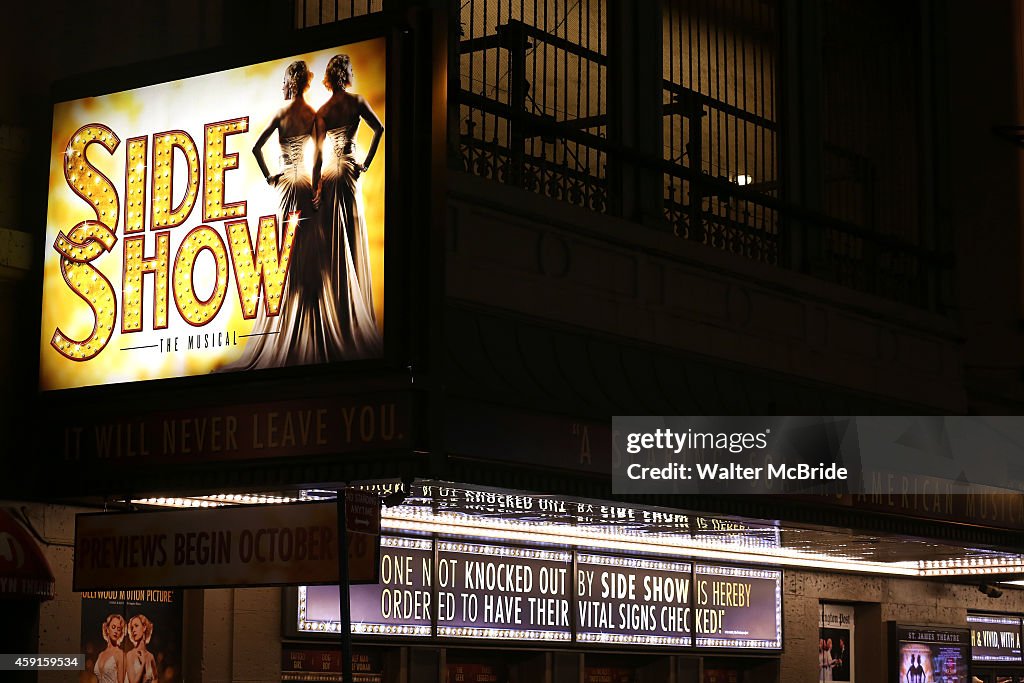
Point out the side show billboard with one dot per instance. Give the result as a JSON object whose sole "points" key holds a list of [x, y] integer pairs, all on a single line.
{"points": [[211, 225]]}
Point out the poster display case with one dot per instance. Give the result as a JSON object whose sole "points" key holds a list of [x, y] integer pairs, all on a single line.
{"points": [[929, 654]]}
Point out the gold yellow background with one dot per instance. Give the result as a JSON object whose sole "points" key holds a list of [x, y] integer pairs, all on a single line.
{"points": [[253, 91]]}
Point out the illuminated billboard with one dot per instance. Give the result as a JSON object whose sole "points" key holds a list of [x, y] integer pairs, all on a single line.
{"points": [[454, 589], [226, 222], [930, 655], [994, 638]]}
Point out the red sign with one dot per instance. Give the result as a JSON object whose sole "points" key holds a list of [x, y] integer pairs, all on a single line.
{"points": [[323, 665], [24, 571], [476, 672], [607, 674], [721, 676]]}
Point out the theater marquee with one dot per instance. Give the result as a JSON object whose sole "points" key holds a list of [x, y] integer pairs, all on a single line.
{"points": [[487, 590], [258, 545], [172, 251]]}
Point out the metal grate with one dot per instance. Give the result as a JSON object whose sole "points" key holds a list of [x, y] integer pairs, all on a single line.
{"points": [[718, 119], [535, 85], [532, 100], [316, 12]]}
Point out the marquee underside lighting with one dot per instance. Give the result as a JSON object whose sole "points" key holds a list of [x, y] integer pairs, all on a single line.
{"points": [[478, 529]]}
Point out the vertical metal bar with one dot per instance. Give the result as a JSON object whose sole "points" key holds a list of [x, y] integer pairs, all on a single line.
{"points": [[516, 47], [737, 74], [762, 135], [435, 587], [588, 163], [468, 20], [765, 138], [484, 116], [712, 75], [573, 597], [579, 77], [344, 598], [579, 60], [563, 59], [538, 97], [668, 123], [604, 50], [590, 110], [602, 39], [685, 125], [722, 121], [746, 19]]}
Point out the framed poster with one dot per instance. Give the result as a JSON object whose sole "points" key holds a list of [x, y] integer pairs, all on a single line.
{"points": [[133, 636], [929, 654], [835, 643], [185, 232]]}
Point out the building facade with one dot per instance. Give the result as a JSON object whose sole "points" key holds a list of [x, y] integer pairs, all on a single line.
{"points": [[736, 207]]}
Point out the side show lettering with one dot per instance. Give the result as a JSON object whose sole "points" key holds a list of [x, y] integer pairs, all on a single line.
{"points": [[259, 269], [491, 591]]}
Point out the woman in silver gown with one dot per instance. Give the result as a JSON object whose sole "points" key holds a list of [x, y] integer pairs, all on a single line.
{"points": [[109, 667], [139, 662], [335, 174], [308, 326]]}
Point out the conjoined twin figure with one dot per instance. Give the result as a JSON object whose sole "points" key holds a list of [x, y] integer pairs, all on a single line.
{"points": [[327, 311]]}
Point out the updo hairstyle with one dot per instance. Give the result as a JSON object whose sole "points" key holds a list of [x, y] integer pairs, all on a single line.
{"points": [[296, 79], [339, 73]]}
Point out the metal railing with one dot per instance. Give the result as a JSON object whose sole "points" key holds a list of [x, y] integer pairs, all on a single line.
{"points": [[535, 110], [718, 117], [533, 99]]}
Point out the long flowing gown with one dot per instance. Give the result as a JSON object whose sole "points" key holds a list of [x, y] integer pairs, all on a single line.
{"points": [[342, 213], [308, 327]]}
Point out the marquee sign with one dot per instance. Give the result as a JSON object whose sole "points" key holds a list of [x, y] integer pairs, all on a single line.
{"points": [[256, 545], [995, 638], [738, 607], [627, 600], [488, 591], [484, 590], [207, 225]]}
